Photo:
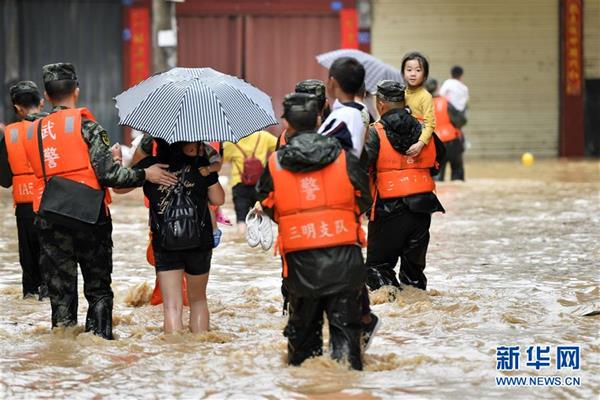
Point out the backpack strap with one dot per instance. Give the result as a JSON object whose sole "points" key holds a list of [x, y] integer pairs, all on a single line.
{"points": [[253, 151], [41, 149], [256, 145], [244, 160], [241, 150]]}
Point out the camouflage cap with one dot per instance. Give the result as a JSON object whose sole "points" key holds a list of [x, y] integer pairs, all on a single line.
{"points": [[59, 72], [300, 102], [22, 87], [311, 86], [389, 90]]}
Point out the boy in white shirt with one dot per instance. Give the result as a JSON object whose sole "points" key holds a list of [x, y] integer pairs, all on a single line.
{"points": [[345, 123], [454, 90]]}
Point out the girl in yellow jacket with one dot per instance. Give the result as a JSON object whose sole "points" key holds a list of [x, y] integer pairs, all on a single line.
{"points": [[415, 69]]}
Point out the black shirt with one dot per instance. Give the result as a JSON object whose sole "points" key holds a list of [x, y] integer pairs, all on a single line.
{"points": [[196, 184]]}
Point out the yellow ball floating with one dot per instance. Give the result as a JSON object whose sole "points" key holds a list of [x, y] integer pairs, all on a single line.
{"points": [[527, 159]]}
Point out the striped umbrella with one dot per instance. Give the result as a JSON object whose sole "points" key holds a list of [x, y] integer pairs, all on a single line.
{"points": [[193, 104], [375, 69]]}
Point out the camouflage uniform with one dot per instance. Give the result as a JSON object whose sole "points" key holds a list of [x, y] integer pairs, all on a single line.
{"points": [[33, 279], [89, 245]]}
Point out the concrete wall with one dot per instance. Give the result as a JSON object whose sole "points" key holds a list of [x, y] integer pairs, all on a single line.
{"points": [[510, 53], [591, 39]]}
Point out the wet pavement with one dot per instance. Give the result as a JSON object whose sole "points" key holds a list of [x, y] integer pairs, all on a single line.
{"points": [[513, 262]]}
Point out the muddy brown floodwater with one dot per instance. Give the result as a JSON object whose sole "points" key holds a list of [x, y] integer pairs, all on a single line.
{"points": [[514, 262]]}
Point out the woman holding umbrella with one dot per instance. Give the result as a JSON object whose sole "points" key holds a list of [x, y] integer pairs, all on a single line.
{"points": [[189, 253], [182, 108]]}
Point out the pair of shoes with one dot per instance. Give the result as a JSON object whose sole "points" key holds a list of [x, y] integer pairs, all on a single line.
{"points": [[217, 237], [266, 232], [252, 228], [369, 330], [259, 230]]}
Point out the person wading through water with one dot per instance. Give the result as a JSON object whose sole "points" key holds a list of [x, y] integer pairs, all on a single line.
{"points": [[316, 192], [72, 201], [15, 171], [402, 187]]}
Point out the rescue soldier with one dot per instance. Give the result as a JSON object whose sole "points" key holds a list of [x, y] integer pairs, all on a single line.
{"points": [[316, 191], [402, 189], [314, 87], [16, 172], [319, 89], [447, 121], [76, 148]]}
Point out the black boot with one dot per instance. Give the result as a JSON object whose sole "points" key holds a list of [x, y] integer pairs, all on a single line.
{"points": [[99, 318], [43, 293], [381, 275]]}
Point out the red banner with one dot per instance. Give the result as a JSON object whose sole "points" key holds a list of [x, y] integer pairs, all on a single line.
{"points": [[573, 61], [572, 127], [349, 28], [140, 44]]}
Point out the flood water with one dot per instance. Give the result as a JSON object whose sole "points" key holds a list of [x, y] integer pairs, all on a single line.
{"points": [[513, 262]]}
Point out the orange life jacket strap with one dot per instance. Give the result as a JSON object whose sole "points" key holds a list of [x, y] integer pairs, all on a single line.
{"points": [[375, 196], [282, 139], [269, 202], [279, 250]]}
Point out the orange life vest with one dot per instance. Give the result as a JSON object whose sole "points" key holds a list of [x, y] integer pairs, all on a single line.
{"points": [[65, 152], [315, 209], [23, 181], [398, 175], [443, 126]]}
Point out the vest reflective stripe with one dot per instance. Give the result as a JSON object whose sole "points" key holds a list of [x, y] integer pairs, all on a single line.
{"points": [[65, 152], [23, 180], [443, 126], [398, 175], [315, 209]]}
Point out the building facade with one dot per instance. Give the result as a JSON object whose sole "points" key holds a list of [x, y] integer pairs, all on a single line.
{"points": [[513, 53], [533, 68]]}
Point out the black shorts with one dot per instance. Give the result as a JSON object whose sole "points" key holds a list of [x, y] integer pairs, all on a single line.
{"points": [[244, 198], [193, 262]]}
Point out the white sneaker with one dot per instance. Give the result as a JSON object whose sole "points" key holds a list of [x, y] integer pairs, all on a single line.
{"points": [[252, 228], [266, 232]]}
